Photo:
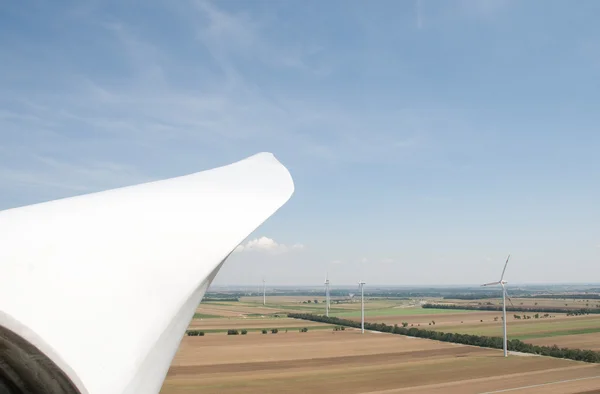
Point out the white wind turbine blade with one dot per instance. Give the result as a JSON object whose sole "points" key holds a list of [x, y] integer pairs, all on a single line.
{"points": [[491, 284], [509, 299], [104, 285], [504, 270]]}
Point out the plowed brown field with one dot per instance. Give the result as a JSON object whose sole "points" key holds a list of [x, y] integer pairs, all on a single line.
{"points": [[348, 362]]}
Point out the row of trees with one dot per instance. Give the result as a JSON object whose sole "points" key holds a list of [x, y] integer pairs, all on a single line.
{"points": [[578, 312], [198, 333], [582, 311], [465, 339], [217, 299], [536, 316]]}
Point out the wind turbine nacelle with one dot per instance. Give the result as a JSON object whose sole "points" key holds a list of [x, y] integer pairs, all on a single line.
{"points": [[96, 291]]}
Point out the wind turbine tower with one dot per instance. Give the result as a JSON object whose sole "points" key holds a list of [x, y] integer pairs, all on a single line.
{"points": [[361, 284], [502, 283], [264, 293], [327, 304]]}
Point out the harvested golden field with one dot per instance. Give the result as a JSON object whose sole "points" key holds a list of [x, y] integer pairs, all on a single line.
{"points": [[282, 299], [471, 319], [441, 319], [348, 362], [234, 309], [577, 341], [532, 328], [576, 332], [568, 303]]}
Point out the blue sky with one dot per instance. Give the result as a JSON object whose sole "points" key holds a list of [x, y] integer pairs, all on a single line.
{"points": [[426, 139]]}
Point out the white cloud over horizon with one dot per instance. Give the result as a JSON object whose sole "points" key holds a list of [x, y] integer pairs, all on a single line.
{"points": [[267, 245]]}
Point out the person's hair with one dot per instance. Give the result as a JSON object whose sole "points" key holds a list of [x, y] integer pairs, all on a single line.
{"points": [[24, 369]]}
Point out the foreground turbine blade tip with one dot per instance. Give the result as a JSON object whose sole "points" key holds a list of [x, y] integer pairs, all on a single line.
{"points": [[80, 265]]}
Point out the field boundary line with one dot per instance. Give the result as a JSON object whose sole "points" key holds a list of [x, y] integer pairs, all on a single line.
{"points": [[478, 380], [542, 385]]}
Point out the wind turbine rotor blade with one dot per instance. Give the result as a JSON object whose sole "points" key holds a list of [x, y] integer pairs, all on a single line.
{"points": [[492, 283], [508, 296], [103, 286], [510, 300], [504, 270]]}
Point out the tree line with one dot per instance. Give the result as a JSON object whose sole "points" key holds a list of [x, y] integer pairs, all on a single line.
{"points": [[199, 333], [565, 296], [465, 339], [217, 299], [511, 308]]}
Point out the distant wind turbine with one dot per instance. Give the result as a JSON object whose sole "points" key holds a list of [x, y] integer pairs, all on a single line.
{"points": [[327, 304], [502, 283], [361, 284], [264, 293]]}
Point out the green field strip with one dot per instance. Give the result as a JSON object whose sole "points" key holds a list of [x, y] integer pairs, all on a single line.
{"points": [[402, 312], [304, 307], [213, 303], [206, 316]]}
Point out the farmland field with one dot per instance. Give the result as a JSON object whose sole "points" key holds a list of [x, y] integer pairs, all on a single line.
{"points": [[387, 312], [566, 302], [559, 329], [535, 328], [442, 317], [580, 341], [348, 362], [579, 332], [375, 363]]}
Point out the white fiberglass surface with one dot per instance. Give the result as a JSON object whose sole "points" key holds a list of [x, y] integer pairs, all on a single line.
{"points": [[106, 283]]}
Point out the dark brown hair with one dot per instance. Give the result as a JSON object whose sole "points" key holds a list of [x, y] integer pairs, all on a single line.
{"points": [[24, 369]]}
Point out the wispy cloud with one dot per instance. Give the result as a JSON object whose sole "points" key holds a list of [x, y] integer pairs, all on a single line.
{"points": [[234, 36], [149, 104], [267, 245], [71, 177], [419, 15]]}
